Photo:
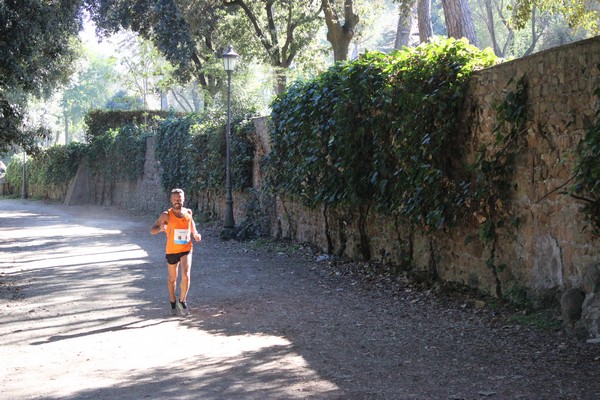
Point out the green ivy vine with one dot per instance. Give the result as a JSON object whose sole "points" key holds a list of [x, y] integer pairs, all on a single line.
{"points": [[118, 154], [490, 193], [173, 152], [378, 132], [495, 165], [191, 152], [587, 173], [53, 167]]}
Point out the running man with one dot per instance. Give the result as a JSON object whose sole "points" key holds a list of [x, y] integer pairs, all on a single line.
{"points": [[179, 226]]}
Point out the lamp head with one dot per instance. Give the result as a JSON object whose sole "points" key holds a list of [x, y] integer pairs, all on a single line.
{"points": [[230, 59]]}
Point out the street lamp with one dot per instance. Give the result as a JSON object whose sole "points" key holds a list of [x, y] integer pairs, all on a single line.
{"points": [[229, 63], [24, 183]]}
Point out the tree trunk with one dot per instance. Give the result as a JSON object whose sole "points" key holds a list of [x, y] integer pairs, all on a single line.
{"points": [[403, 30], [459, 21], [197, 100], [338, 34], [424, 17], [67, 139], [281, 79], [266, 30], [491, 26]]}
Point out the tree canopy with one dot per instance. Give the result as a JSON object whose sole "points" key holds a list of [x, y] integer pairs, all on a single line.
{"points": [[276, 37], [32, 67], [578, 13]]}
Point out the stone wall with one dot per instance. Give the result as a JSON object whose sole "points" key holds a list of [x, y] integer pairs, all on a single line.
{"points": [[549, 253], [552, 250], [143, 195]]}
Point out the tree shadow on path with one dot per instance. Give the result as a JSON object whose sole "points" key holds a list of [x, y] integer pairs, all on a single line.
{"points": [[263, 324]]}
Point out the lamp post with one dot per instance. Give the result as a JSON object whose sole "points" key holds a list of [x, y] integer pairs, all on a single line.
{"points": [[229, 63], [24, 183]]}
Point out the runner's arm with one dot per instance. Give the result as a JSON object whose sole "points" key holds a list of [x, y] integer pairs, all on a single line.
{"points": [[161, 224], [195, 234]]}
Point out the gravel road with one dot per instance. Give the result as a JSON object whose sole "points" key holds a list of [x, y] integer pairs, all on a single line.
{"points": [[84, 315]]}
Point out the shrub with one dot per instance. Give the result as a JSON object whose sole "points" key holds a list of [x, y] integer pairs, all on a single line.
{"points": [[380, 131]]}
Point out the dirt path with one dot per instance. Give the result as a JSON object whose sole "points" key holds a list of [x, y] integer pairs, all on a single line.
{"points": [[84, 315]]}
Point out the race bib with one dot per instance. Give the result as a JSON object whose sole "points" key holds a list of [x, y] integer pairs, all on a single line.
{"points": [[181, 236]]}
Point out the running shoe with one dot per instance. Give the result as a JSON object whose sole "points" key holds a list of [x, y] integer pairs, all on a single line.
{"points": [[182, 306]]}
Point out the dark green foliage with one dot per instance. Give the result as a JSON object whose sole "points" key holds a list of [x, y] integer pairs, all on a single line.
{"points": [[124, 102], [14, 173], [53, 167], [378, 131], [191, 152], [209, 162], [62, 162], [186, 46], [35, 55], [99, 121], [587, 173], [174, 152], [242, 151], [118, 154]]}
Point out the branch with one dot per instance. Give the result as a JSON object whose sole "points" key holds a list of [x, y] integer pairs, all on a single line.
{"points": [[582, 198], [198, 63], [178, 100], [350, 19], [272, 51], [331, 17], [289, 37], [290, 45], [555, 189], [534, 36]]}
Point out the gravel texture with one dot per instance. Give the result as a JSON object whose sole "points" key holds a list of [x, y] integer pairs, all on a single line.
{"points": [[84, 316]]}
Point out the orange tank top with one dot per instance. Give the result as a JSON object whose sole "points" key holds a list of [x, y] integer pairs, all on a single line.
{"points": [[178, 232]]}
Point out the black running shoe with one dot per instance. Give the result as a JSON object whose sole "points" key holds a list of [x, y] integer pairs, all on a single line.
{"points": [[182, 306]]}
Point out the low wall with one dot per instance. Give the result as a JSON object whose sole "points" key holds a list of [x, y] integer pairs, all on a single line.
{"points": [[144, 194], [552, 248], [550, 252]]}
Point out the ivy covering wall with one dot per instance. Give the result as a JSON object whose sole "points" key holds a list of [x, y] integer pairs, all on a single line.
{"points": [[587, 173], [49, 170], [380, 132], [191, 153], [190, 150]]}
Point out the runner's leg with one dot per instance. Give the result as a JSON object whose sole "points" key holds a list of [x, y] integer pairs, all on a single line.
{"points": [[186, 266], [172, 281]]}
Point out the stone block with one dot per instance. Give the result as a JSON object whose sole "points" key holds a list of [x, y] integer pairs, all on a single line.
{"points": [[591, 279], [590, 316]]}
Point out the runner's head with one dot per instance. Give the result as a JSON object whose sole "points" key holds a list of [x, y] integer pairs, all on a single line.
{"points": [[177, 198]]}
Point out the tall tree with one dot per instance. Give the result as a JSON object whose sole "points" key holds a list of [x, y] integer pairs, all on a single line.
{"points": [[88, 89], [144, 67], [193, 34], [578, 13], [35, 56], [405, 17], [459, 21], [424, 17], [283, 28], [173, 27], [340, 26]]}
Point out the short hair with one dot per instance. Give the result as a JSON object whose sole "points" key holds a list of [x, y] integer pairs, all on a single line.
{"points": [[177, 191]]}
